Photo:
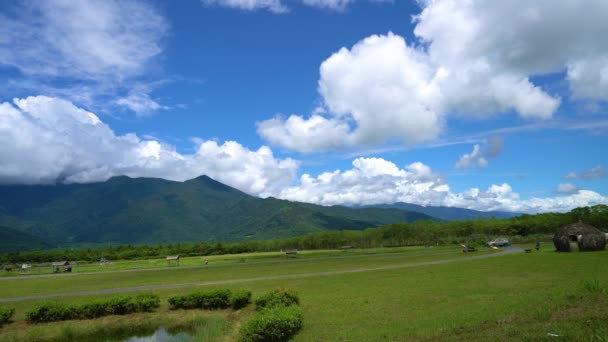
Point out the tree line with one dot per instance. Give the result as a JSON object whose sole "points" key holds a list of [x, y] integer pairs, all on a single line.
{"points": [[398, 234]]}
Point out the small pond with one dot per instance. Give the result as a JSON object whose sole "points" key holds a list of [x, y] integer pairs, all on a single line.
{"points": [[162, 335]]}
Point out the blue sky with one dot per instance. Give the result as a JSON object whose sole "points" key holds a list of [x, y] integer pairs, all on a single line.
{"points": [[480, 105]]}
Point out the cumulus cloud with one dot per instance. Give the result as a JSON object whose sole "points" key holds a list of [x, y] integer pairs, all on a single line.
{"points": [[478, 158], [46, 140], [475, 58], [103, 46], [379, 90], [598, 172], [567, 188], [473, 159], [375, 181]]}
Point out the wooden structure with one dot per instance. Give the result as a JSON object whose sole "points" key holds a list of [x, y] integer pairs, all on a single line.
{"points": [[291, 252], [65, 264], [173, 260]]}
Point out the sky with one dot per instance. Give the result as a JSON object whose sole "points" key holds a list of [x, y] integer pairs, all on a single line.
{"points": [[477, 104]]}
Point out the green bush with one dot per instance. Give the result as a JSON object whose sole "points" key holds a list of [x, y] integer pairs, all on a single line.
{"points": [[146, 302], [119, 305], [277, 297], [5, 315], [240, 299], [214, 299], [50, 312], [273, 325], [8, 268]]}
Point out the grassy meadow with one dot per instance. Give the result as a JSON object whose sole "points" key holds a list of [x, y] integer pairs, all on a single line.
{"points": [[511, 297]]}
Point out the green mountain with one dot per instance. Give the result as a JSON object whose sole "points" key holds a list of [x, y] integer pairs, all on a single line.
{"points": [[147, 210], [448, 213], [13, 240]]}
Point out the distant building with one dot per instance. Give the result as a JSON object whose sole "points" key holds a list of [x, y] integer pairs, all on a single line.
{"points": [[579, 236], [173, 260]]}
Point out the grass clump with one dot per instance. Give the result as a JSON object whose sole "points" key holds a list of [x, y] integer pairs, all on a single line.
{"points": [[5, 315], [278, 323], [593, 286], [277, 297], [119, 305], [240, 299]]}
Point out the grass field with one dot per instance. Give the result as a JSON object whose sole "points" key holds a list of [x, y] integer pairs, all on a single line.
{"points": [[511, 297]]}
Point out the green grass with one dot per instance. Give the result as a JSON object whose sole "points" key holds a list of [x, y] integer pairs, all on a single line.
{"points": [[122, 265], [27, 286], [513, 297]]}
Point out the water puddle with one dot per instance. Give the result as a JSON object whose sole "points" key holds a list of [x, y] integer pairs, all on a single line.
{"points": [[162, 335]]}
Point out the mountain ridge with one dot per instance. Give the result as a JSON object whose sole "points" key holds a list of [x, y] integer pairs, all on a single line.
{"points": [[125, 210]]}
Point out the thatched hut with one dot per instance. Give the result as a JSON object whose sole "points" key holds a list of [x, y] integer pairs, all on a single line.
{"points": [[576, 237]]}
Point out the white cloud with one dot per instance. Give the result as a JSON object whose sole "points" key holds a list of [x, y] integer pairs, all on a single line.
{"points": [[479, 158], [598, 172], [305, 135], [278, 6], [567, 188], [82, 39], [336, 5], [45, 140], [376, 181], [380, 87], [249, 5], [474, 57], [140, 103], [62, 46], [473, 159]]}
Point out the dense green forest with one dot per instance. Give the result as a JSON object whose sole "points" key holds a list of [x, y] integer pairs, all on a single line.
{"points": [[417, 233]]}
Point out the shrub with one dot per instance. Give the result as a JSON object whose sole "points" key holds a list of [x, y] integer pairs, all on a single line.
{"points": [[214, 299], [50, 312], [5, 315], [8, 268], [240, 299], [273, 324], [119, 305], [277, 297], [146, 302]]}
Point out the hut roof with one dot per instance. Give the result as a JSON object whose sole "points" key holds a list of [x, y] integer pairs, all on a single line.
{"points": [[579, 228], [173, 257], [585, 238]]}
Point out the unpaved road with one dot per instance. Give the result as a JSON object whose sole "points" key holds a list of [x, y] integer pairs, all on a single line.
{"points": [[510, 250]]}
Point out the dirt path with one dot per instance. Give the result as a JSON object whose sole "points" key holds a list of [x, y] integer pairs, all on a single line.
{"points": [[244, 280]]}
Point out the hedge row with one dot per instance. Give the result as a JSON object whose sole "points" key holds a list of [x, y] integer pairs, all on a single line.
{"points": [[279, 318], [119, 305], [211, 300], [5, 315]]}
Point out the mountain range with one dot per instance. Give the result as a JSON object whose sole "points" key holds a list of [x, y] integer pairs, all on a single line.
{"points": [[125, 210], [448, 213]]}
